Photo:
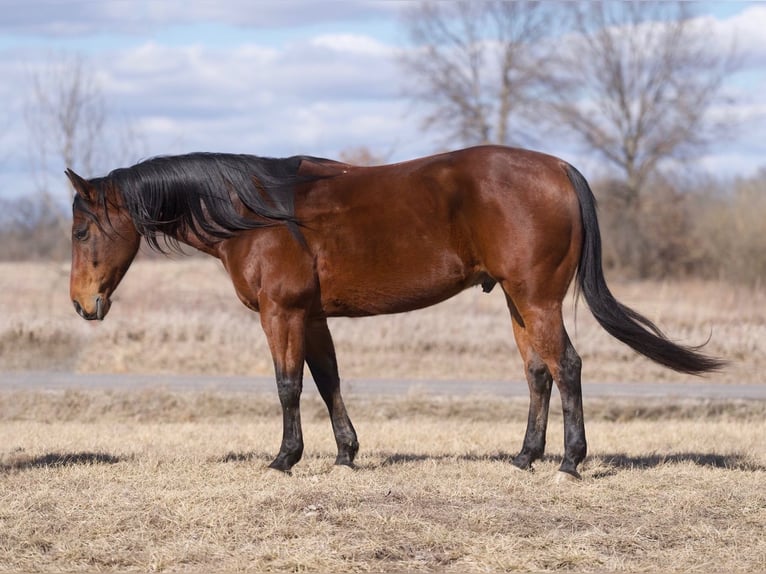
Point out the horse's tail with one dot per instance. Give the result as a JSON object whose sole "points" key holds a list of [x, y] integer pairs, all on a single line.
{"points": [[621, 322]]}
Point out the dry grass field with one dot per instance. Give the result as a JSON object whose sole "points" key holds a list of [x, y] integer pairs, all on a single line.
{"points": [[182, 317], [159, 480]]}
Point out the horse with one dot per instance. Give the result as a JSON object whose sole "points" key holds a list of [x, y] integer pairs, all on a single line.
{"points": [[306, 238]]}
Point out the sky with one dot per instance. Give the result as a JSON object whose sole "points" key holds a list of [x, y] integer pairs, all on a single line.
{"points": [[276, 78]]}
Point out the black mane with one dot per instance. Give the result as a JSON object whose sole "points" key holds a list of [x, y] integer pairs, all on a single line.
{"points": [[196, 194]]}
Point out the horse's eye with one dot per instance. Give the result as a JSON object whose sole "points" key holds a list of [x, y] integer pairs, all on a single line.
{"points": [[81, 234]]}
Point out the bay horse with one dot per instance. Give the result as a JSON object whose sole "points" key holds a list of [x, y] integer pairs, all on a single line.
{"points": [[305, 238]]}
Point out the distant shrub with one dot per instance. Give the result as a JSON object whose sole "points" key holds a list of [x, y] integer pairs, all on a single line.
{"points": [[730, 232], [690, 228]]}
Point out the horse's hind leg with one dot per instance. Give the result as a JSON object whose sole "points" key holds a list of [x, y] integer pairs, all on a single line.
{"points": [[540, 382], [543, 326], [320, 357], [570, 389]]}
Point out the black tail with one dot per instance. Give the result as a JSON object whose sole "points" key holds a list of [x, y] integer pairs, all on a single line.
{"points": [[621, 322]]}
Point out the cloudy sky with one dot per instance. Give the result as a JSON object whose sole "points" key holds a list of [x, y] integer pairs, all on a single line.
{"points": [[274, 77]]}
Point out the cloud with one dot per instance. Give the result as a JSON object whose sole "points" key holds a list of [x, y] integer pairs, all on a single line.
{"points": [[69, 18], [351, 45], [744, 32], [196, 93], [319, 95], [320, 90]]}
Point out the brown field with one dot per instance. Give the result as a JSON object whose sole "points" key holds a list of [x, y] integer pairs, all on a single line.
{"points": [[182, 317], [154, 480], [160, 481]]}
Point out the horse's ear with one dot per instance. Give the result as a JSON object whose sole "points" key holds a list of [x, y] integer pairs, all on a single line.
{"points": [[81, 185]]}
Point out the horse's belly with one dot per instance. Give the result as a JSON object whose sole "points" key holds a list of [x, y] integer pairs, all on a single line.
{"points": [[396, 290]]}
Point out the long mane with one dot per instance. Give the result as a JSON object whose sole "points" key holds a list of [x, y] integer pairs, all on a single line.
{"points": [[198, 194]]}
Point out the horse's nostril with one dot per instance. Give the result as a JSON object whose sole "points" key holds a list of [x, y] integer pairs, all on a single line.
{"points": [[81, 312]]}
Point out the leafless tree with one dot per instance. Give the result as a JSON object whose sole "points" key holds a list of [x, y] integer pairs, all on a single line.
{"points": [[478, 66], [65, 117], [362, 155], [67, 120], [636, 83]]}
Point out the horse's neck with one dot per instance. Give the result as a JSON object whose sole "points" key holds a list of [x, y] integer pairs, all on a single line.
{"points": [[209, 248]]}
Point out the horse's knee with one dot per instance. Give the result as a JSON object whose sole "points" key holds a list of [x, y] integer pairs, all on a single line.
{"points": [[538, 375]]}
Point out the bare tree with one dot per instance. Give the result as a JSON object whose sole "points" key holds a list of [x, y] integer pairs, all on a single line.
{"points": [[636, 84], [362, 155], [478, 66], [65, 117]]}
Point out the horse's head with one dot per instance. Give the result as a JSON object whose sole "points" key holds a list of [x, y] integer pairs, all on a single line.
{"points": [[104, 243]]}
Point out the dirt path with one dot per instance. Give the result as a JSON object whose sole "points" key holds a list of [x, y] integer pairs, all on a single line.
{"points": [[62, 380]]}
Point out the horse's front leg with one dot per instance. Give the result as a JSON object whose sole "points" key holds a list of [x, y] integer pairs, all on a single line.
{"points": [[320, 356], [286, 333]]}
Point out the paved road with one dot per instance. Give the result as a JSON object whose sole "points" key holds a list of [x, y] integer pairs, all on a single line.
{"points": [[58, 381]]}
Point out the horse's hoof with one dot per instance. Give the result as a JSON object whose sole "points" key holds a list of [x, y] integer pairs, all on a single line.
{"points": [[515, 468], [562, 477], [342, 469]]}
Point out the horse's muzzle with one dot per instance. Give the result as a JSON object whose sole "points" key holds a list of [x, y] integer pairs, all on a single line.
{"points": [[102, 306]]}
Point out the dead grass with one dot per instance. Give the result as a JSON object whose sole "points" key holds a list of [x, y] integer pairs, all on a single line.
{"points": [[182, 317], [163, 481], [154, 480]]}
